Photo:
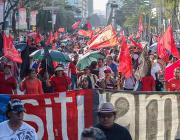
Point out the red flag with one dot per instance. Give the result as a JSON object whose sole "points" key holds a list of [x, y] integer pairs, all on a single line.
{"points": [[88, 24], [167, 42], [137, 44], [50, 39], [76, 24], [10, 51], [125, 60], [88, 33], [96, 31], [38, 38], [56, 35], [162, 52], [169, 71], [61, 30], [107, 37]]}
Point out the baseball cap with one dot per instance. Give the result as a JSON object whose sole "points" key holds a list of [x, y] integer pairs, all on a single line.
{"points": [[16, 105], [106, 108]]}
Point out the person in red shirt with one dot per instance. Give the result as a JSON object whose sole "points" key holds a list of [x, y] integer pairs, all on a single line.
{"points": [[31, 84], [174, 83], [60, 81], [148, 82], [8, 82], [73, 71]]}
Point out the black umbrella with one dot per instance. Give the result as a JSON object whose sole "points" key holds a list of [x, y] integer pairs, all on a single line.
{"points": [[21, 46]]}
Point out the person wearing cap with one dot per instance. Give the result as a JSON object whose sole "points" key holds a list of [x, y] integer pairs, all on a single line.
{"points": [[112, 130], [93, 133], [31, 84], [8, 83], [59, 81], [15, 128], [108, 82], [101, 68]]}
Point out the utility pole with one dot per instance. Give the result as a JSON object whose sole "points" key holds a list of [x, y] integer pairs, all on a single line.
{"points": [[114, 6], [52, 14]]}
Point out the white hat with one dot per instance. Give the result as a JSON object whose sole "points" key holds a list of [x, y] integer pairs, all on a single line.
{"points": [[59, 68]]}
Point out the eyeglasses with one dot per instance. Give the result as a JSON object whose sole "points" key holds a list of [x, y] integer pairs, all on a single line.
{"points": [[106, 115]]}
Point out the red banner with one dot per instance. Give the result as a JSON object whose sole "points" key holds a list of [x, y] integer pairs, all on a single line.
{"points": [[59, 116], [85, 33], [107, 37], [10, 51]]}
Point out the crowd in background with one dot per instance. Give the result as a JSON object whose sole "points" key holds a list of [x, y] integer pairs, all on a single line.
{"points": [[41, 76]]}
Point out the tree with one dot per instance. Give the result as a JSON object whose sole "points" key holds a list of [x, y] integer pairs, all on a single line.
{"points": [[170, 11]]}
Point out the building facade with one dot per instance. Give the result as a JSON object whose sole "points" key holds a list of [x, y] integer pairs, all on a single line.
{"points": [[83, 6], [80, 7], [90, 7]]}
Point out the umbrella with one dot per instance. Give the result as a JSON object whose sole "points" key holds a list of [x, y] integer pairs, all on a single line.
{"points": [[55, 55], [21, 46], [89, 57], [169, 71]]}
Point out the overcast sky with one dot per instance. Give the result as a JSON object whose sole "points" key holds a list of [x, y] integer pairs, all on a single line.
{"points": [[100, 5]]}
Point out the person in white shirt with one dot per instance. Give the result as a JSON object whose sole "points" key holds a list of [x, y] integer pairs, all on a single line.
{"points": [[129, 83], [15, 128], [155, 66], [102, 68]]}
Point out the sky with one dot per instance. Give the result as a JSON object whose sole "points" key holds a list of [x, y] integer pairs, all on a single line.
{"points": [[100, 5]]}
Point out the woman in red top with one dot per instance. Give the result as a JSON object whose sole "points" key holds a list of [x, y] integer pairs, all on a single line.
{"points": [[8, 82], [174, 83], [60, 81], [31, 84], [148, 82]]}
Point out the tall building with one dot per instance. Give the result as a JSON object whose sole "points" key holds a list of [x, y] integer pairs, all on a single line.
{"points": [[72, 2], [111, 6], [83, 6], [79, 6], [90, 7]]}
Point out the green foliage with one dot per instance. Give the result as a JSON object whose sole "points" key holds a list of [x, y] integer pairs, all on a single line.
{"points": [[132, 9]]}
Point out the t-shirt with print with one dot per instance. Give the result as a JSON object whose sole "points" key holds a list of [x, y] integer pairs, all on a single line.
{"points": [[25, 132]]}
